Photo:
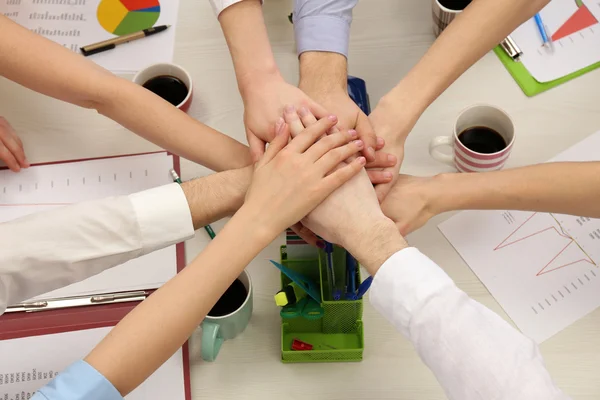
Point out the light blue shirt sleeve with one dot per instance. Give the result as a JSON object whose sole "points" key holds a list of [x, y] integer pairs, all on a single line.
{"points": [[323, 25], [78, 382]]}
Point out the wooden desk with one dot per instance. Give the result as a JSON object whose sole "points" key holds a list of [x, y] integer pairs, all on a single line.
{"points": [[388, 37]]}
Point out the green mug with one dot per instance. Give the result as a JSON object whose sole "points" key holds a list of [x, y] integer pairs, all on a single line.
{"points": [[215, 330]]}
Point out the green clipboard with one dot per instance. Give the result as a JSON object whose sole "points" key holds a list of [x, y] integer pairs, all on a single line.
{"points": [[526, 82]]}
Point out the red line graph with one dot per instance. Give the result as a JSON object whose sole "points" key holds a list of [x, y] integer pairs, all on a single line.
{"points": [[546, 269]]}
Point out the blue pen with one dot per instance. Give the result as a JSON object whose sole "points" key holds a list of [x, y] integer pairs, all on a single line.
{"points": [[545, 37], [362, 289], [350, 276]]}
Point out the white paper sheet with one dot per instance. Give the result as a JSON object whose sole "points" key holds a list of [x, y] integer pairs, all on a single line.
{"points": [[30, 363], [542, 268], [45, 187], [76, 23], [574, 26]]}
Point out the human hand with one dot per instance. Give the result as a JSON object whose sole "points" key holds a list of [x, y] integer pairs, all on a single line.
{"points": [[264, 102], [393, 122], [410, 202], [351, 215], [11, 148], [292, 179]]}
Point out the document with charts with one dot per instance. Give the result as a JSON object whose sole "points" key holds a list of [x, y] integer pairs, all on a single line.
{"points": [[77, 23], [542, 268]]}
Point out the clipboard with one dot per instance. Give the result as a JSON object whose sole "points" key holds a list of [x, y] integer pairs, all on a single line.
{"points": [[526, 82], [21, 324]]}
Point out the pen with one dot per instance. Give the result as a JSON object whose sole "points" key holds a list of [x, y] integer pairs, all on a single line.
{"points": [[207, 228], [112, 43], [540, 24]]}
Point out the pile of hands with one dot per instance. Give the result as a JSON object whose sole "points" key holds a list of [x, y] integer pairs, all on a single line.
{"points": [[404, 199], [313, 173]]}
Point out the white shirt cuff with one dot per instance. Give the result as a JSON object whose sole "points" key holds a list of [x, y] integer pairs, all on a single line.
{"points": [[219, 5], [163, 215], [403, 285]]}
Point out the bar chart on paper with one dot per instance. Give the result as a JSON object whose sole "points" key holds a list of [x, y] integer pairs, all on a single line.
{"points": [[542, 268]]}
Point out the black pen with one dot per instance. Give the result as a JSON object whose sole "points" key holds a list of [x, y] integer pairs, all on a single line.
{"points": [[112, 43]]}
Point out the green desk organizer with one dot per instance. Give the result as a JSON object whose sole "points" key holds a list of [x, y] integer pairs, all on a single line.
{"points": [[338, 336]]}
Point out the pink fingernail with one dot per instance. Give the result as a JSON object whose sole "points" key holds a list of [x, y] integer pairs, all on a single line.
{"points": [[380, 142], [332, 118], [279, 126], [303, 112], [352, 133], [392, 158], [361, 160], [359, 143], [387, 175], [290, 109]]}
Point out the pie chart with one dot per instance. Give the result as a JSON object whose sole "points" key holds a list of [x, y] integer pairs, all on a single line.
{"points": [[122, 17]]}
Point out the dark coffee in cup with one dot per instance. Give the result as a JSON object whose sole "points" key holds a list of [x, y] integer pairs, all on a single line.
{"points": [[482, 139], [232, 299], [456, 5], [168, 87]]}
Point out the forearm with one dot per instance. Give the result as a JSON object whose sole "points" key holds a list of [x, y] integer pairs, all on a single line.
{"points": [[216, 196], [156, 328], [246, 35], [566, 188], [323, 72], [323, 25], [50, 69], [483, 25]]}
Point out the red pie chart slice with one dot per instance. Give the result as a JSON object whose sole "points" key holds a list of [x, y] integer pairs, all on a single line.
{"points": [[582, 19]]}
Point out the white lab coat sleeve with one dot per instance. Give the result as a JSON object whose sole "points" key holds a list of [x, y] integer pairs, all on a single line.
{"points": [[474, 354], [48, 250]]}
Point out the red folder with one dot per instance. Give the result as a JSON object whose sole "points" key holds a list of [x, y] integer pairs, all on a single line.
{"points": [[25, 324]]}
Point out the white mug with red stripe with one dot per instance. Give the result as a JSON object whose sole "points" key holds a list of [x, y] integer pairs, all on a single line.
{"points": [[477, 118]]}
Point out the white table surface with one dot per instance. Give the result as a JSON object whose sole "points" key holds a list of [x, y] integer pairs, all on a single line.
{"points": [[388, 37]]}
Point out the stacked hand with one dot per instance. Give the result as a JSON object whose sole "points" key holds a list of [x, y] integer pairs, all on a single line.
{"points": [[292, 178], [11, 148]]}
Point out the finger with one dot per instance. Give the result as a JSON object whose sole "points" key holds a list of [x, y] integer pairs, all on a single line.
{"points": [[293, 120], [257, 146], [379, 177], [333, 157], [318, 111], [330, 142], [306, 234], [383, 160], [382, 190], [311, 134], [9, 159], [367, 135], [342, 175], [15, 146], [380, 143], [306, 117], [282, 135]]}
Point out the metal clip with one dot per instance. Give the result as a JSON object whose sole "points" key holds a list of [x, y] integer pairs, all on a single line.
{"points": [[511, 48], [77, 301]]}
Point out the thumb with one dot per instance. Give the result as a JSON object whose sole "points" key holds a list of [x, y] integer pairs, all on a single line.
{"points": [[257, 146]]}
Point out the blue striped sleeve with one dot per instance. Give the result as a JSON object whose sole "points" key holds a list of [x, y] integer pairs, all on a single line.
{"points": [[323, 25]]}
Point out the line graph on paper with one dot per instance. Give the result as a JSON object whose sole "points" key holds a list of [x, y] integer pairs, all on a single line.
{"points": [[542, 268], [567, 253]]}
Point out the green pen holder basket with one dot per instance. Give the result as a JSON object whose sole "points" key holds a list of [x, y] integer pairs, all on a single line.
{"points": [[336, 337]]}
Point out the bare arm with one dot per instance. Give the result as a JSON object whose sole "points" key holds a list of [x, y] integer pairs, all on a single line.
{"points": [[482, 25], [50, 69], [566, 188]]}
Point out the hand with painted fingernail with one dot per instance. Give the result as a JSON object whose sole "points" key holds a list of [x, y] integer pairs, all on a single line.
{"points": [[11, 148]]}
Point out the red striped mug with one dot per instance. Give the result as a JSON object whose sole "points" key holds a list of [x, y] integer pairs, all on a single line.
{"points": [[465, 159]]}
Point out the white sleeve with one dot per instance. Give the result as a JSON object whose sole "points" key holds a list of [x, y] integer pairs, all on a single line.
{"points": [[474, 354], [219, 5], [48, 250]]}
